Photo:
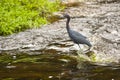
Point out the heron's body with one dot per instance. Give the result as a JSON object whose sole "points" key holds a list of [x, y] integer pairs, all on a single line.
{"points": [[76, 37]]}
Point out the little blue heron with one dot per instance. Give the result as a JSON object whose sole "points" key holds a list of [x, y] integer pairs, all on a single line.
{"points": [[76, 37]]}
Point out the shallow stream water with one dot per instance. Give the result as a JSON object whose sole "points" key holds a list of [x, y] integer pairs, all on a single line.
{"points": [[53, 67]]}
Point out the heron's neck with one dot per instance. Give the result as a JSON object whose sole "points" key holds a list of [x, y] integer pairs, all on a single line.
{"points": [[67, 24]]}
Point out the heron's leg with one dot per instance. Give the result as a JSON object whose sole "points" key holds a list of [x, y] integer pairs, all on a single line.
{"points": [[87, 50], [79, 46], [80, 50]]}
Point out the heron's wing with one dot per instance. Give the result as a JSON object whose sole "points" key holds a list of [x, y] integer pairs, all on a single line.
{"points": [[77, 34]]}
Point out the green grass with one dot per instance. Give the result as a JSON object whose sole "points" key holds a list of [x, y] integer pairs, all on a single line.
{"points": [[19, 15]]}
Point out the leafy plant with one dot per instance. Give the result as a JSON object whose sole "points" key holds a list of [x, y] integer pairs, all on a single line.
{"points": [[18, 15]]}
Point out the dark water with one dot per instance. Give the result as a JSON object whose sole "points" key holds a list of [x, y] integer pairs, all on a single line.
{"points": [[52, 67]]}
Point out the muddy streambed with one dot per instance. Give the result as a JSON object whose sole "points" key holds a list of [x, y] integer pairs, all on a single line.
{"points": [[53, 67]]}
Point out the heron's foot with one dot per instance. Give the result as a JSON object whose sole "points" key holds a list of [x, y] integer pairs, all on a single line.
{"points": [[82, 56], [88, 50], [80, 52]]}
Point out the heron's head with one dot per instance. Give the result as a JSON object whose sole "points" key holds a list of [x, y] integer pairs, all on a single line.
{"points": [[62, 15], [66, 16]]}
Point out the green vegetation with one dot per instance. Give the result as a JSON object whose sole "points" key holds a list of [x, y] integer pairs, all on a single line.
{"points": [[6, 58], [8, 79], [18, 15], [24, 57]]}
